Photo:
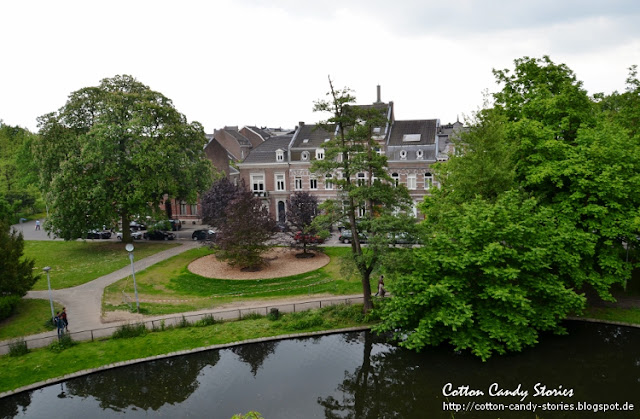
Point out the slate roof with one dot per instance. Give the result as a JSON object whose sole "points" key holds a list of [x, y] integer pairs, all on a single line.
{"points": [[266, 152], [316, 136], [425, 127], [242, 140], [261, 132]]}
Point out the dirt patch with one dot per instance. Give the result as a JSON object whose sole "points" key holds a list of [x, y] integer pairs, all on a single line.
{"points": [[280, 262]]}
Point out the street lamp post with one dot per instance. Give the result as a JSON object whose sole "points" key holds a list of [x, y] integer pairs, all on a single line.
{"points": [[47, 269], [129, 248]]}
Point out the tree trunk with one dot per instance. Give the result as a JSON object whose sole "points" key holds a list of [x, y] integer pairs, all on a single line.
{"points": [[126, 233], [366, 291]]}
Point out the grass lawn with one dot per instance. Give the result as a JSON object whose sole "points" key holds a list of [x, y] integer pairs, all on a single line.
{"points": [[626, 315], [171, 280], [76, 262], [43, 363], [29, 318]]}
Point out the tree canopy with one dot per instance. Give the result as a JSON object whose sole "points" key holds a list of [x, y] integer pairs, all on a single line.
{"points": [[536, 211], [115, 151]]}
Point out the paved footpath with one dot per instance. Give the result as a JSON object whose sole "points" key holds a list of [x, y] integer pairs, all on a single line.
{"points": [[84, 302]]}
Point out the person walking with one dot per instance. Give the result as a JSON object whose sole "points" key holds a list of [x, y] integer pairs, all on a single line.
{"points": [[37, 225], [381, 290], [59, 324], [63, 316]]}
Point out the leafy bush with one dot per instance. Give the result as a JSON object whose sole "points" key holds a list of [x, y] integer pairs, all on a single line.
{"points": [[18, 348], [130, 331], [274, 314], [206, 320], [7, 304], [183, 323], [62, 343]]}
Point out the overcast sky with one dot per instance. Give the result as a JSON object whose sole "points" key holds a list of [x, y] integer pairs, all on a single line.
{"points": [[264, 63]]}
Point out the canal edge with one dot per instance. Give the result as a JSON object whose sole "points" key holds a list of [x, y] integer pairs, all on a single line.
{"points": [[120, 364]]}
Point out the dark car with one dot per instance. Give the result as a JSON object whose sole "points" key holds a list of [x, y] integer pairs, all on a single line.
{"points": [[158, 235], [96, 234], [137, 226], [175, 225], [309, 238], [347, 237], [204, 235]]}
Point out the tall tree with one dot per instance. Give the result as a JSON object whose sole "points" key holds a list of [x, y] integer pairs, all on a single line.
{"points": [[114, 151], [366, 205]]}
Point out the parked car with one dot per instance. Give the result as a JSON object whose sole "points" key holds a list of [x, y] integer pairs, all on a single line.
{"points": [[135, 235], [158, 235], [176, 225], [299, 237], [137, 225], [97, 234], [405, 238], [204, 235], [347, 237]]}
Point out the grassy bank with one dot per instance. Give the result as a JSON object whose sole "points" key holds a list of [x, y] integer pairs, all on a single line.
{"points": [[169, 287], [41, 364], [76, 262], [30, 317]]}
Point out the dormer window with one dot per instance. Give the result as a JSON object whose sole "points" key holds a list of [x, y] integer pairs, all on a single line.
{"points": [[419, 154], [304, 156], [280, 155], [403, 154], [411, 138], [319, 153]]}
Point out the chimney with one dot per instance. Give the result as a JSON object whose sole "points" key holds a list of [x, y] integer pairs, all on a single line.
{"points": [[301, 124], [378, 101]]}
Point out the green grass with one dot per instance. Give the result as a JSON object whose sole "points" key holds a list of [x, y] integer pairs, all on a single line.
{"points": [[626, 315], [77, 262], [30, 317], [182, 290], [41, 364]]}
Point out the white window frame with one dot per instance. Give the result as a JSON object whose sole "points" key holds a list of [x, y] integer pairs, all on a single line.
{"points": [[361, 179], [328, 182], [403, 154], [419, 154], [280, 181], [297, 183], [279, 155], [412, 182], [304, 156], [257, 180], [428, 180], [319, 153], [396, 179], [313, 183]]}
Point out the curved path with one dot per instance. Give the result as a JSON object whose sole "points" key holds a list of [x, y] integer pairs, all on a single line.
{"points": [[84, 302]]}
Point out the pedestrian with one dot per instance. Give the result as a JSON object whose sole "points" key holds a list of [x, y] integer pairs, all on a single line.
{"points": [[59, 324], [63, 316], [381, 290], [37, 224]]}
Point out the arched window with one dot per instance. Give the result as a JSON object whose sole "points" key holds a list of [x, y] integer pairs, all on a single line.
{"points": [[328, 181]]}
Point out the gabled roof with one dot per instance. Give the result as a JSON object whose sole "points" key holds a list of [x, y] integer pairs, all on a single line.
{"points": [[266, 152], [242, 140], [314, 135], [412, 133], [261, 132]]}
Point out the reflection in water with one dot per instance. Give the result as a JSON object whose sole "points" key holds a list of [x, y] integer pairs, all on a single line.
{"points": [[353, 375]]}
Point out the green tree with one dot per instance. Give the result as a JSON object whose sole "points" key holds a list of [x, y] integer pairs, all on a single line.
{"points": [[354, 150], [302, 209], [16, 272], [493, 276], [115, 151]]}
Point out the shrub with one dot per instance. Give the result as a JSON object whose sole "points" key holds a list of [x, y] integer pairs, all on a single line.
{"points": [[183, 323], [18, 348], [274, 314], [130, 331], [206, 320], [252, 316], [7, 304], [62, 343]]}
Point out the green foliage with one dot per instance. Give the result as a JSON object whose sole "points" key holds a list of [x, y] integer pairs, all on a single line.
{"points": [[493, 276], [252, 316], [206, 320], [63, 342], [274, 314], [183, 323], [130, 331], [114, 151], [248, 415], [353, 150], [18, 348], [303, 320], [16, 272]]}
